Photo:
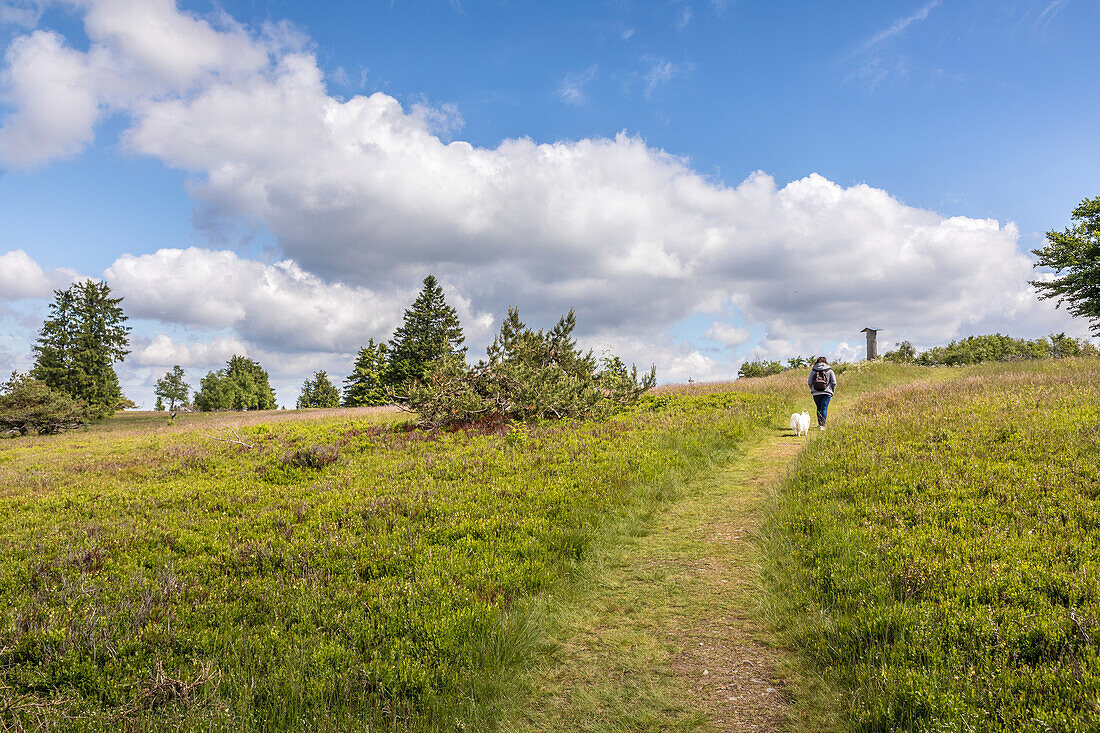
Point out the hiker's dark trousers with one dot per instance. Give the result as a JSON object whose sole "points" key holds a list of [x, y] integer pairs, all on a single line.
{"points": [[822, 401]]}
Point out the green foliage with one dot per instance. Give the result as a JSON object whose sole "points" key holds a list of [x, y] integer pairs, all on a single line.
{"points": [[159, 406], [978, 349], [1075, 252], [366, 385], [430, 331], [173, 388], [319, 392], [937, 558], [242, 385], [529, 375], [156, 581], [759, 369], [904, 353], [27, 404], [81, 338]]}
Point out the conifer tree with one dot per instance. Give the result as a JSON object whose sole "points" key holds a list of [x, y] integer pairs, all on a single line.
{"points": [[319, 392], [430, 330], [81, 338], [159, 407], [366, 385]]}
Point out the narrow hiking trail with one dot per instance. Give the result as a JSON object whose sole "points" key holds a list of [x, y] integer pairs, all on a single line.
{"points": [[662, 634]]}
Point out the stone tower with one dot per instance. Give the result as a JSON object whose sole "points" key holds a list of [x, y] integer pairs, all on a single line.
{"points": [[872, 342]]}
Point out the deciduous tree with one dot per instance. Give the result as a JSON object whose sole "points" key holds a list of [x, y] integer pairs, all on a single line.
{"points": [[1074, 255], [171, 387], [241, 385]]}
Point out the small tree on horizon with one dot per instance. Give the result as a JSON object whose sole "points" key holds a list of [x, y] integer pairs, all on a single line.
{"points": [[171, 387], [319, 392], [241, 385]]}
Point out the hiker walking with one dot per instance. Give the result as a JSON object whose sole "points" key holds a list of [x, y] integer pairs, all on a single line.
{"points": [[822, 384]]}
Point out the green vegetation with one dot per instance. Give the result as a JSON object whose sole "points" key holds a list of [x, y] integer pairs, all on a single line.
{"points": [[935, 563], [173, 388], [752, 369], [28, 405], [242, 385], [319, 392], [81, 338], [429, 332], [994, 347], [322, 573], [529, 375], [1075, 252], [366, 385]]}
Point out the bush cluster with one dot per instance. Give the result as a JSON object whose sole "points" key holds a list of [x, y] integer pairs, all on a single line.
{"points": [[27, 404], [992, 347], [528, 375]]}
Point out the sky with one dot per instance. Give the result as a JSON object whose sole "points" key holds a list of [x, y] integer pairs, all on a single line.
{"points": [[705, 181]]}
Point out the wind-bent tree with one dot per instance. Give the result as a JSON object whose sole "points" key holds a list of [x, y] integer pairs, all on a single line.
{"points": [[1075, 252], [27, 404], [529, 375], [430, 330], [366, 385], [319, 392], [81, 338], [241, 385], [171, 387]]}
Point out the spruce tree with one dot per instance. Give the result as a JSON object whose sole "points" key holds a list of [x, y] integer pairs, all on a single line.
{"points": [[81, 338], [430, 330], [366, 385], [319, 392]]}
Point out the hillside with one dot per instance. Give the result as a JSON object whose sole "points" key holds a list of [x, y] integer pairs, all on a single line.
{"points": [[927, 564]]}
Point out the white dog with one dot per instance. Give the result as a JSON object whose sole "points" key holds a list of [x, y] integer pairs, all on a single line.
{"points": [[800, 422]]}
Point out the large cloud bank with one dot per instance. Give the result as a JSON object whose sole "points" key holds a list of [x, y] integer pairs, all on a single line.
{"points": [[364, 197]]}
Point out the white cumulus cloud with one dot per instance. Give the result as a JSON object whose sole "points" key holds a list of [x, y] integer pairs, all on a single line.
{"points": [[22, 277], [364, 197]]}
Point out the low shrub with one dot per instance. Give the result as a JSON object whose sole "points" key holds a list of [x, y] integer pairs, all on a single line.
{"points": [[27, 405], [529, 375]]}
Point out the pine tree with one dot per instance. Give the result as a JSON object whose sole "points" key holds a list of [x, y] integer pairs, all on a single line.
{"points": [[366, 385], [159, 407], [172, 388], [78, 344], [430, 330], [319, 392]]}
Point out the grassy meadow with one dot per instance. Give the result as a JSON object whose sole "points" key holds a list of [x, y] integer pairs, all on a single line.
{"points": [[330, 570], [930, 563], [935, 562]]}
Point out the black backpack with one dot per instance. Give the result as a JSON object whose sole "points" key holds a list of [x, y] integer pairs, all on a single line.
{"points": [[820, 381]]}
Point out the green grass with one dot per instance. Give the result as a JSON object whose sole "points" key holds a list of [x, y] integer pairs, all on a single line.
{"points": [[340, 573], [934, 563]]}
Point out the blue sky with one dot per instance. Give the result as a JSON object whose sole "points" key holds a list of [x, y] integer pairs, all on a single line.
{"points": [[945, 138]]}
